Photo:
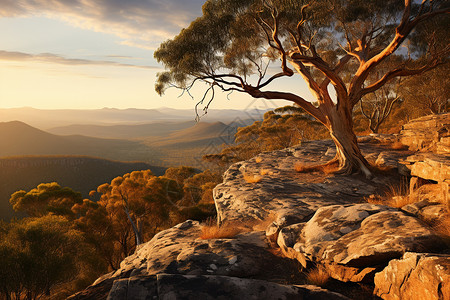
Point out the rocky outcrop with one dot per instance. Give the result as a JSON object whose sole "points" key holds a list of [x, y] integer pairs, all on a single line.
{"points": [[211, 287], [295, 197], [415, 276], [430, 133], [180, 251], [353, 241], [317, 219]]}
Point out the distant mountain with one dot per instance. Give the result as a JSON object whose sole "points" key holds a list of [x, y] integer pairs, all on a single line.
{"points": [[123, 131], [46, 119], [80, 173], [21, 139]]}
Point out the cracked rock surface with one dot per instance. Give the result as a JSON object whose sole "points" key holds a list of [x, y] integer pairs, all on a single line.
{"points": [[418, 276]]}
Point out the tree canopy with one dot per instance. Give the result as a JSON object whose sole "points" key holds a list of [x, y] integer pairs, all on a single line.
{"points": [[340, 48]]}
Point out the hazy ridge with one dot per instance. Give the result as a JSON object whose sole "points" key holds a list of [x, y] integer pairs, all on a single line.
{"points": [[85, 154]]}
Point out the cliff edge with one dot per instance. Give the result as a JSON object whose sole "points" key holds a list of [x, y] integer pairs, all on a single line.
{"points": [[289, 223]]}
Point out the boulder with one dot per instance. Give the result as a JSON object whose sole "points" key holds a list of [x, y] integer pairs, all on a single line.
{"points": [[212, 287], [179, 250], [353, 241], [416, 276]]}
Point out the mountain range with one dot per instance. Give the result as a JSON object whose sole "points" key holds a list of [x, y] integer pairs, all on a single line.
{"points": [[85, 148]]}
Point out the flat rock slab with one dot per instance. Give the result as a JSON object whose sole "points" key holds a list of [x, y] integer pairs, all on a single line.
{"points": [[416, 276], [212, 287], [179, 250], [282, 191]]}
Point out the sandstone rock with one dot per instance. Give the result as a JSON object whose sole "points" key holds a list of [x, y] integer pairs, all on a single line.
{"points": [[179, 250], [381, 237], [429, 166], [183, 287], [416, 276], [291, 195], [354, 240], [232, 288], [134, 288], [428, 133], [433, 212]]}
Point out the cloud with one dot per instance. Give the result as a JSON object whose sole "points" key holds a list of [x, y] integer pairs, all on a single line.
{"points": [[143, 23], [58, 59]]}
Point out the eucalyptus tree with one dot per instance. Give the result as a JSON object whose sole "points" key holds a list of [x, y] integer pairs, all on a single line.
{"points": [[333, 45]]}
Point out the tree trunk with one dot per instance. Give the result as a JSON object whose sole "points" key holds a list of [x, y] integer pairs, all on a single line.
{"points": [[348, 153]]}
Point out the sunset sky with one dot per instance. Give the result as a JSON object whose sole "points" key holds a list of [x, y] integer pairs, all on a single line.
{"points": [[92, 53]]}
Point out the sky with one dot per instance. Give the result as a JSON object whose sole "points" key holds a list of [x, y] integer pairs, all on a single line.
{"points": [[88, 54]]}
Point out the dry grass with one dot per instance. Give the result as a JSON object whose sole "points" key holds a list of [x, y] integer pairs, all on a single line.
{"points": [[327, 168], [395, 196], [211, 230], [252, 178], [318, 276], [258, 160]]}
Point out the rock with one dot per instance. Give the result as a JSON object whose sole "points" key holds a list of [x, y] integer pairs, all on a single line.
{"points": [[428, 133], [179, 250], [430, 167], [292, 195], [432, 212], [133, 288], [232, 288], [416, 276], [183, 287], [382, 237], [353, 241]]}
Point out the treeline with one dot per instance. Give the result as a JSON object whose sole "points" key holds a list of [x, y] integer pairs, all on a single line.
{"points": [[81, 173], [66, 242]]}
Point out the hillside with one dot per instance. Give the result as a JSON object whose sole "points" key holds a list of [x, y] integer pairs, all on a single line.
{"points": [[122, 131], [23, 139], [81, 173], [187, 146]]}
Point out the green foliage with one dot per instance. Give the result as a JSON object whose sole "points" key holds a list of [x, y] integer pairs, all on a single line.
{"points": [[230, 37], [180, 174], [46, 198], [36, 255]]}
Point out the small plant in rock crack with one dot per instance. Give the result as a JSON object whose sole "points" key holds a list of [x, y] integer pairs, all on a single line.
{"points": [[318, 276], [210, 230]]}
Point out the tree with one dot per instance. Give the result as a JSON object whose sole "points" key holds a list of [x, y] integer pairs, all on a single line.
{"points": [[428, 93], [328, 43], [137, 202], [377, 106], [38, 254], [46, 198]]}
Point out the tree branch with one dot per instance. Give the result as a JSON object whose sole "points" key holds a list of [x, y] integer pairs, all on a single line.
{"points": [[271, 95]]}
